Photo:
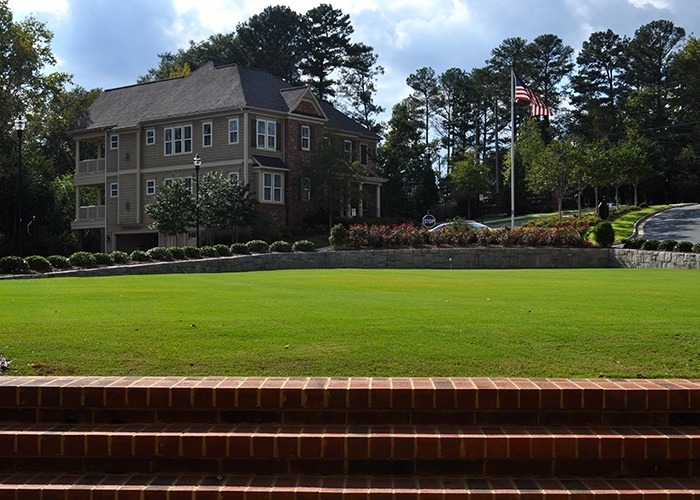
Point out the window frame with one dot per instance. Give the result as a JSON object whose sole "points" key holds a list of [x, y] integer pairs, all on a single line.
{"points": [[177, 135], [305, 189], [272, 192], [114, 190], [269, 140], [114, 141], [305, 141], [231, 121], [235, 177], [207, 135], [347, 146], [150, 137], [150, 187]]}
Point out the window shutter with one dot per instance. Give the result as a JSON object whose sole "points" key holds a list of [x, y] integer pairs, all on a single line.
{"points": [[278, 134], [253, 132]]}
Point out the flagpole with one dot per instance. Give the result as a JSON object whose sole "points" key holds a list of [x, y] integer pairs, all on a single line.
{"points": [[512, 149]]}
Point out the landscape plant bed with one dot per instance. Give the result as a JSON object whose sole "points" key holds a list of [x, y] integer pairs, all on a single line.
{"points": [[529, 323]]}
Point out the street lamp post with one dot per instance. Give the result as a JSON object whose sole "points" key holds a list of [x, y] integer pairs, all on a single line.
{"points": [[20, 123], [197, 164]]}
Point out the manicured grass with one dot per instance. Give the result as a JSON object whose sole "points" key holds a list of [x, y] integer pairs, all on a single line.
{"points": [[534, 323], [624, 226]]}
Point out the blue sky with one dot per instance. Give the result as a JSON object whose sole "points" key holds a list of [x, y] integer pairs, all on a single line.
{"points": [[108, 43]]}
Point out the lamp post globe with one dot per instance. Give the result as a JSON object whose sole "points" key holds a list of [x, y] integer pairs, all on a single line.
{"points": [[197, 163], [20, 124]]}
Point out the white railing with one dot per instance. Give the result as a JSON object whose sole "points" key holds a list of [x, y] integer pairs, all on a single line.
{"points": [[91, 213], [94, 166]]}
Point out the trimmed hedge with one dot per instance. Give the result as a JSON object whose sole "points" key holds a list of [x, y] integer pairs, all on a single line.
{"points": [[139, 256], [223, 250], [178, 253], [304, 246], [82, 259], [258, 246], [207, 251], [160, 253], [119, 257], [58, 261], [103, 259], [13, 265], [38, 263], [280, 246]]}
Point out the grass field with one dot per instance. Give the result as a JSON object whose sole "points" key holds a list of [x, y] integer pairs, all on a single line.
{"points": [[624, 225], [534, 323]]}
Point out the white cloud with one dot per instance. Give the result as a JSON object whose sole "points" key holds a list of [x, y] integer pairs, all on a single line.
{"points": [[22, 8], [656, 4]]}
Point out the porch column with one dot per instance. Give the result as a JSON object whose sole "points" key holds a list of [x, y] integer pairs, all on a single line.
{"points": [[361, 204], [379, 200]]}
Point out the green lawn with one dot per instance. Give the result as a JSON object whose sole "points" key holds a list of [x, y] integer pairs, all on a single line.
{"points": [[535, 323], [624, 225]]}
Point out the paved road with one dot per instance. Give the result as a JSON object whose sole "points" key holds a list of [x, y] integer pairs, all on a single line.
{"points": [[680, 224]]}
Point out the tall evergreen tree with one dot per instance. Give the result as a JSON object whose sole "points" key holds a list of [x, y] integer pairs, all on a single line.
{"points": [[325, 42], [598, 86], [357, 87]]}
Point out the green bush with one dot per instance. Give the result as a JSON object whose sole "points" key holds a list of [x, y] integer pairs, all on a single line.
{"points": [[280, 246], [103, 259], [207, 251], [223, 250], [258, 246], [177, 253], [192, 252], [667, 245], [58, 261], [13, 265], [240, 249], [696, 248], [160, 253], [650, 245], [38, 263], [119, 257], [304, 246], [684, 246], [82, 259], [339, 236], [139, 256], [634, 243], [603, 234]]}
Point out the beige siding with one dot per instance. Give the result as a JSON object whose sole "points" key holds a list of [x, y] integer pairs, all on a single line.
{"points": [[127, 200]]}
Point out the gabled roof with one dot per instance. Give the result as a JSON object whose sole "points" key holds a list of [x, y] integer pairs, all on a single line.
{"points": [[211, 88]]}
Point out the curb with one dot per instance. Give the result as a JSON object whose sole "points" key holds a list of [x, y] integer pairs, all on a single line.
{"points": [[639, 225]]}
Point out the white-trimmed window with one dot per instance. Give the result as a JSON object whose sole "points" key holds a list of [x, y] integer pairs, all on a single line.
{"points": [[150, 187], [206, 135], [305, 137], [272, 187], [305, 189], [114, 190], [150, 137], [177, 140], [267, 134], [235, 178], [233, 131], [347, 146], [114, 141]]}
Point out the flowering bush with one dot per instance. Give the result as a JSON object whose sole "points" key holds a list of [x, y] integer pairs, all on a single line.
{"points": [[405, 235]]}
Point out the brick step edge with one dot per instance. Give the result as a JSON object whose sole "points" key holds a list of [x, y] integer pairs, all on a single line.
{"points": [[268, 441], [303, 487], [351, 393]]}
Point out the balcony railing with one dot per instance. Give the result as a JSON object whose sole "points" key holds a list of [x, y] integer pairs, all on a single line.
{"points": [[90, 216], [90, 172]]}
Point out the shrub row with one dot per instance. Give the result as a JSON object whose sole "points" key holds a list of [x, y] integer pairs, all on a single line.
{"points": [[36, 263], [664, 245], [405, 235]]}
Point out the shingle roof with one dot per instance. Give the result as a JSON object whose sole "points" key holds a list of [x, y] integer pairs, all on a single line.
{"points": [[211, 88]]}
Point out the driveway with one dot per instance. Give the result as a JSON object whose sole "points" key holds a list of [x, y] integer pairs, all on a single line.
{"points": [[680, 224]]}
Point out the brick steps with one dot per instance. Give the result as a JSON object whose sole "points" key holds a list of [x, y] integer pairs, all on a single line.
{"points": [[297, 487], [176, 437], [422, 450]]}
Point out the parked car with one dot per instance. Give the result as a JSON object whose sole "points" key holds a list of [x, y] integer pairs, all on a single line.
{"points": [[469, 224]]}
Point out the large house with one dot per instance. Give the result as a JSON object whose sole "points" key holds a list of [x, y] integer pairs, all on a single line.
{"points": [[242, 122]]}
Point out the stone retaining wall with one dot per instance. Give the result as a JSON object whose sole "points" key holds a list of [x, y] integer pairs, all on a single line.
{"points": [[410, 258]]}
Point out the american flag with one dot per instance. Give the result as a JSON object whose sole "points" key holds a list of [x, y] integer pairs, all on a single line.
{"points": [[523, 93]]}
